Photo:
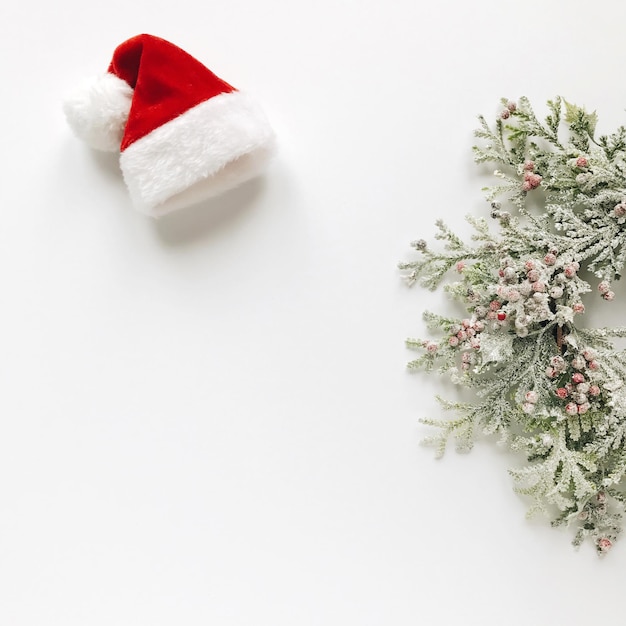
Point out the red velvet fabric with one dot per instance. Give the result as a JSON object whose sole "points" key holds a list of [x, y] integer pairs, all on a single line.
{"points": [[166, 81]]}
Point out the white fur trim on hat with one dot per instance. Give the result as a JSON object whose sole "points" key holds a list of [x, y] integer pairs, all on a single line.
{"points": [[97, 111], [210, 148]]}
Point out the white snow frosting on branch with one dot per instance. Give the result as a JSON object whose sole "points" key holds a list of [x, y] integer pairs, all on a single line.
{"points": [[545, 385]]}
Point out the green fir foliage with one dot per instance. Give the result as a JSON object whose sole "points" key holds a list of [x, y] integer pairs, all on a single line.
{"points": [[544, 385]]}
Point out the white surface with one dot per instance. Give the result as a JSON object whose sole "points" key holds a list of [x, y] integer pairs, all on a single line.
{"points": [[206, 419]]}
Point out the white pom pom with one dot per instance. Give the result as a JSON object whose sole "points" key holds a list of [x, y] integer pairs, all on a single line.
{"points": [[97, 112]]}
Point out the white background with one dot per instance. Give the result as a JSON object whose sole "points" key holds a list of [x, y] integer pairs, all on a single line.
{"points": [[207, 419]]}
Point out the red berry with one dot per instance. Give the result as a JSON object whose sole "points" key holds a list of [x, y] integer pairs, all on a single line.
{"points": [[501, 316]]}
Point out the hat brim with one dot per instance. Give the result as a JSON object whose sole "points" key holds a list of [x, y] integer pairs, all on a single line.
{"points": [[212, 147]]}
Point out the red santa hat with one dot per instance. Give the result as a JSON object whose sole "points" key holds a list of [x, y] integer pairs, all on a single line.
{"points": [[183, 133]]}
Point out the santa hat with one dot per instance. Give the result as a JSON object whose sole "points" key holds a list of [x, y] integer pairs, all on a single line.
{"points": [[183, 133]]}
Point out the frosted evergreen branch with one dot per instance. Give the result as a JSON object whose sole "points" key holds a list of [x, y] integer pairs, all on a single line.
{"points": [[544, 384]]}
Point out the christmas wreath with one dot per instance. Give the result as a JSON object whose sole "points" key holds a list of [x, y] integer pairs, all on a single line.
{"points": [[545, 384]]}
